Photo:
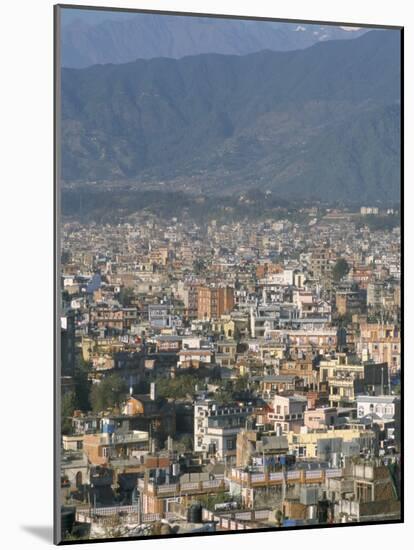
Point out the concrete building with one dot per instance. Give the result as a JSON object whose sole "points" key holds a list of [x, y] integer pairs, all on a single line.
{"points": [[213, 302], [258, 448], [216, 427], [321, 418], [385, 412], [308, 444], [288, 413]]}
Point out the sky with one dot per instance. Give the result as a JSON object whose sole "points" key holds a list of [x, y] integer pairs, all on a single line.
{"points": [[93, 36], [94, 17]]}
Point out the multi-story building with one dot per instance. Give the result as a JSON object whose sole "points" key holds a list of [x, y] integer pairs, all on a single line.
{"points": [[310, 444], [384, 411], [302, 368], [216, 427], [322, 261], [288, 413], [213, 302], [259, 448], [349, 302], [101, 448], [380, 343], [320, 418]]}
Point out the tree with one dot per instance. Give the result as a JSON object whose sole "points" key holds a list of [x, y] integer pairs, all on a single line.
{"points": [[224, 396], [340, 269], [181, 444], [82, 384], [176, 388], [188, 442], [107, 393], [68, 405], [279, 518], [241, 384], [380, 223], [65, 257], [199, 266], [125, 296], [209, 501]]}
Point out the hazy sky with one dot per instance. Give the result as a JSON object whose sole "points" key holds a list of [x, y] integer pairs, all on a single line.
{"points": [[91, 36], [93, 16]]}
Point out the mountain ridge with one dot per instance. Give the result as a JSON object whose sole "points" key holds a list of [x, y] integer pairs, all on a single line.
{"points": [[150, 36], [208, 117]]}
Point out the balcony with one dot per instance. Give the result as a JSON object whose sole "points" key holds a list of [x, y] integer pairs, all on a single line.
{"points": [[119, 438], [260, 479], [130, 437], [188, 488]]}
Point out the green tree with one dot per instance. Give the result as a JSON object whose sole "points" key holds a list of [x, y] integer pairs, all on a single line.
{"points": [[397, 389], [107, 393], [188, 442], [224, 395], [199, 266], [380, 223], [65, 257], [241, 384], [209, 501], [125, 296], [82, 384], [340, 269], [176, 388], [68, 405], [279, 518]]}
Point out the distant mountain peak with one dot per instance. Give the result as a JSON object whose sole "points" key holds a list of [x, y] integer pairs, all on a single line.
{"points": [[146, 36]]}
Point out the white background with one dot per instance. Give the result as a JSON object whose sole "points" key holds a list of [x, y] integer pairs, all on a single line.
{"points": [[26, 335]]}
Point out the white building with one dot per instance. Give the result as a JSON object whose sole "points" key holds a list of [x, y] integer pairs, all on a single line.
{"points": [[384, 411], [216, 427], [386, 407], [369, 210], [288, 412]]}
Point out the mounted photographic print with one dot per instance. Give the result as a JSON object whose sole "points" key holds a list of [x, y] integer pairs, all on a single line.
{"points": [[228, 274]]}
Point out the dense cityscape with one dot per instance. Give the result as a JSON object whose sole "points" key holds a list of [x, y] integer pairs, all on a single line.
{"points": [[230, 269], [230, 375]]}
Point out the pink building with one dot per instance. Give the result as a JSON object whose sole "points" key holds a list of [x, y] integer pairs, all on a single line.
{"points": [[317, 419]]}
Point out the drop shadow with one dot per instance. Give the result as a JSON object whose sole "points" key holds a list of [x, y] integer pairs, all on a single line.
{"points": [[44, 533]]}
